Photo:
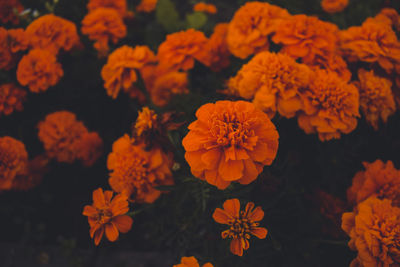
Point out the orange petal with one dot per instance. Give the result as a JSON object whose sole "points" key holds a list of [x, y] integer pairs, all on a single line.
{"points": [[111, 232], [211, 158], [232, 207], [259, 232], [256, 215], [98, 235], [250, 172], [236, 247], [220, 216], [89, 211], [123, 223], [231, 170]]}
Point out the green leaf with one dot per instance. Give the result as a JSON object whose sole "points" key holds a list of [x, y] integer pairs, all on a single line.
{"points": [[196, 20], [168, 16]]}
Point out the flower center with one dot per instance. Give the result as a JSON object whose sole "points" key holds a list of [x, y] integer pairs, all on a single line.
{"points": [[240, 227], [104, 216]]}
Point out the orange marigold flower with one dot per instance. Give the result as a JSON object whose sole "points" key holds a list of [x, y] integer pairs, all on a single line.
{"points": [[39, 70], [118, 5], [7, 8], [121, 67], [52, 33], [13, 161], [251, 26], [330, 106], [305, 37], [167, 85], [11, 98], [103, 25], [241, 223], [135, 171], [33, 176], [18, 40], [374, 229], [180, 49], [89, 148], [230, 141], [334, 6], [376, 98], [147, 6], [379, 179], [146, 121], [191, 262], [107, 214], [204, 7], [389, 16], [272, 81], [6, 56]]}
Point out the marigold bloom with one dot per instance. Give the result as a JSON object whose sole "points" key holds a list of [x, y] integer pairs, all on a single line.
{"points": [[39, 70], [37, 167], [180, 49], [230, 141], [18, 40], [191, 262], [330, 106], [147, 6], [118, 5], [13, 161], [107, 214], [135, 171], [241, 223], [52, 33], [102, 26], [7, 8], [251, 26], [273, 81], [146, 121], [305, 37], [374, 229], [121, 67], [11, 98], [204, 7], [89, 148], [376, 98], [334, 6], [167, 85]]}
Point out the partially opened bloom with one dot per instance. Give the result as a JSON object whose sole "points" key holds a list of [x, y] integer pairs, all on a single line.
{"points": [[11, 98], [230, 141], [330, 106], [374, 229], [191, 262], [107, 215], [167, 85], [242, 224], [7, 8], [204, 7], [251, 26], [376, 97], [39, 70], [146, 121], [118, 5], [334, 6], [89, 148], [147, 6]]}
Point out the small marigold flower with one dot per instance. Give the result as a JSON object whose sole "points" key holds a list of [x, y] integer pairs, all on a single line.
{"points": [[52, 33], [204, 7], [121, 67], [330, 106], [334, 6], [272, 81], [180, 49], [191, 262], [107, 214], [13, 161], [39, 70], [33, 176], [135, 171], [374, 229], [7, 8], [251, 26], [147, 6], [230, 141], [242, 224], [103, 25], [118, 5], [379, 179], [11, 98], [376, 98], [89, 148], [167, 85]]}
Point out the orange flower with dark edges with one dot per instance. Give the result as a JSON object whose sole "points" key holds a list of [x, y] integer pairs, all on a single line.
{"points": [[107, 215], [334, 6], [242, 224], [376, 97], [7, 8], [191, 262], [168, 85], [374, 229], [230, 141], [89, 148], [118, 5], [11, 98], [330, 106], [204, 7], [251, 26], [147, 6], [39, 70]]}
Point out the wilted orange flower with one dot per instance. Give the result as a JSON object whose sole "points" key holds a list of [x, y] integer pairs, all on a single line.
{"points": [[11, 98], [330, 106], [102, 26], [52, 33], [390, 17], [18, 40], [147, 6], [121, 67], [107, 214], [334, 6], [167, 85], [379, 179], [7, 8], [241, 224], [13, 161], [37, 167], [272, 81], [374, 229], [305, 37], [250, 27], [230, 141], [191, 262], [118, 5], [180, 49], [89, 148], [135, 171], [6, 57], [376, 98], [39, 70], [204, 7]]}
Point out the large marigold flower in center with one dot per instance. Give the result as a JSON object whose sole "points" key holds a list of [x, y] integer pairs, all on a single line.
{"points": [[230, 141], [191, 262], [11, 98]]}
